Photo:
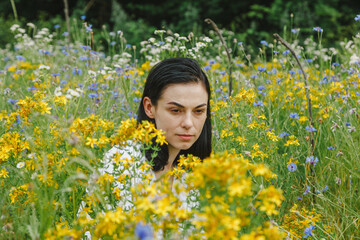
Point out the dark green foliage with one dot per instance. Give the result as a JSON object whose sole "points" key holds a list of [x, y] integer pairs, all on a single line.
{"points": [[252, 21]]}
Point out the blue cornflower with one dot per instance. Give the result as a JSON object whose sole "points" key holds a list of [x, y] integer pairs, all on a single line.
{"points": [[307, 190], [261, 92], [55, 74], [89, 28], [347, 124], [212, 61], [258, 104], [253, 76], [240, 43], [136, 100], [269, 129], [261, 87], [93, 95], [93, 87], [308, 60], [286, 52], [46, 52], [206, 68], [312, 160], [323, 190], [263, 42], [56, 26], [131, 114], [308, 231], [357, 18], [128, 45], [143, 231], [299, 198], [261, 69], [292, 167], [115, 94], [318, 29], [65, 34], [32, 88], [77, 71], [84, 58], [291, 72], [284, 134], [20, 58], [222, 72], [18, 120], [85, 47], [295, 30], [310, 129], [330, 148], [63, 82], [112, 43], [294, 115], [12, 101], [224, 98], [335, 64], [83, 17]]}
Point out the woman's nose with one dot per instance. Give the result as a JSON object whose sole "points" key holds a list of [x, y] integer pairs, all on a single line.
{"points": [[187, 121]]}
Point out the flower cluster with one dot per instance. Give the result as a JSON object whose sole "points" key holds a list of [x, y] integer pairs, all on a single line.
{"points": [[66, 107]]}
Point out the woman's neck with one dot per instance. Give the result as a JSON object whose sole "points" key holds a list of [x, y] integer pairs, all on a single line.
{"points": [[172, 155]]}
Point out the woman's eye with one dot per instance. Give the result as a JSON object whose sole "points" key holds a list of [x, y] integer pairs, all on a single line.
{"points": [[200, 111], [175, 110]]}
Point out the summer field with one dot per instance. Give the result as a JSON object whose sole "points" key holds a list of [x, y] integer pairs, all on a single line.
{"points": [[274, 172]]}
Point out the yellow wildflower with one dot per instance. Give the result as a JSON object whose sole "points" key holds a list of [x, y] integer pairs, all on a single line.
{"points": [[4, 173], [241, 140], [303, 119], [293, 141], [240, 189], [91, 142]]}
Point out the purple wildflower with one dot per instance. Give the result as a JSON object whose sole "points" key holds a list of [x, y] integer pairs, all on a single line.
{"points": [[312, 160]]}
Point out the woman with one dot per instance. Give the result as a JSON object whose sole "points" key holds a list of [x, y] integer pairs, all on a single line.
{"points": [[176, 98]]}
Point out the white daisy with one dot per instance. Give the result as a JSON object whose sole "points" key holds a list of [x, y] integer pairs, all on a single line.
{"points": [[20, 165]]}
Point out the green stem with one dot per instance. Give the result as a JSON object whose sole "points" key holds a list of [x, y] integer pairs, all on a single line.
{"points": [[14, 9]]}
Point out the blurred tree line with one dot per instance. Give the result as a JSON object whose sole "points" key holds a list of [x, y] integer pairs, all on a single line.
{"points": [[251, 20]]}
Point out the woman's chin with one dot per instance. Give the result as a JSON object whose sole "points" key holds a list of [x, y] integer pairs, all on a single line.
{"points": [[185, 146]]}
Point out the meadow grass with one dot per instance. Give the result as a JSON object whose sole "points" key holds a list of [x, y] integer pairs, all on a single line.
{"points": [[64, 104]]}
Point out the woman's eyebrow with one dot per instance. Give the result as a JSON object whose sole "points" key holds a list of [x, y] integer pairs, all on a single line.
{"points": [[181, 106]]}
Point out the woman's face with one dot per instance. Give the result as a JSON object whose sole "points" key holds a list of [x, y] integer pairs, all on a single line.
{"points": [[180, 112]]}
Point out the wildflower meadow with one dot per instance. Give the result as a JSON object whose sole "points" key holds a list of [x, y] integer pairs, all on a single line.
{"points": [[285, 162]]}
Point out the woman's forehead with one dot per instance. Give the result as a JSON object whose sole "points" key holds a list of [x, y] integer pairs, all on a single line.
{"points": [[190, 93]]}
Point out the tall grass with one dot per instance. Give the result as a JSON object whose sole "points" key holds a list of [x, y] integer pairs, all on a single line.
{"points": [[63, 105]]}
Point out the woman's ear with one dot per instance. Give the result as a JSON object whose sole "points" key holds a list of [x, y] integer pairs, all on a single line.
{"points": [[148, 107]]}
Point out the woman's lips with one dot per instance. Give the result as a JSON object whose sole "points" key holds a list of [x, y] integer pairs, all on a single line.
{"points": [[185, 137]]}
